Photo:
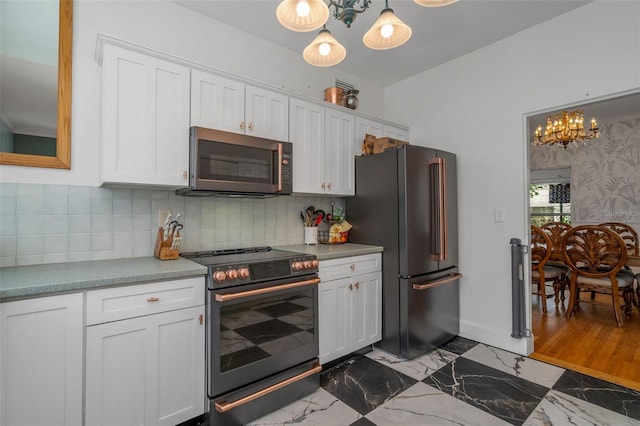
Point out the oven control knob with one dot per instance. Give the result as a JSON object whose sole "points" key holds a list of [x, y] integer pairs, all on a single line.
{"points": [[315, 263], [219, 276], [296, 266], [232, 274], [307, 264], [243, 273]]}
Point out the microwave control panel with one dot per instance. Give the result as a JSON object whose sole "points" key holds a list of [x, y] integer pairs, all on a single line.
{"points": [[286, 168]]}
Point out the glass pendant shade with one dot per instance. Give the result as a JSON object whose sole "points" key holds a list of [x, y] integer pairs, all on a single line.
{"points": [[434, 3], [302, 15], [387, 32], [324, 50]]}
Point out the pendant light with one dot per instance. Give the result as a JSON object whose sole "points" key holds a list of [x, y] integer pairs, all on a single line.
{"points": [[302, 15], [434, 3], [387, 32], [324, 50]]}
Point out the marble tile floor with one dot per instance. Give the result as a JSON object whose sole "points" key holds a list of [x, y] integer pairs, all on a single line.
{"points": [[460, 383]]}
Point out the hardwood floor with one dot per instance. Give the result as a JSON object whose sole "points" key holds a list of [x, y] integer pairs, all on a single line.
{"points": [[589, 342]]}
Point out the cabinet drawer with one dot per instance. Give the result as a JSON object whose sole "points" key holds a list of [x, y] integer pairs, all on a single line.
{"points": [[112, 304], [347, 266]]}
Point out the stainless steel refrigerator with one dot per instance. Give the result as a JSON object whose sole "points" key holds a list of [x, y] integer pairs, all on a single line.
{"points": [[406, 201]]}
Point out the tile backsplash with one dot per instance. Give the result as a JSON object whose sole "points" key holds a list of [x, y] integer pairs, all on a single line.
{"points": [[60, 223]]}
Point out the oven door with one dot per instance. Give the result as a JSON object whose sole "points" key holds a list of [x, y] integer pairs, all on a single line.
{"points": [[254, 331]]}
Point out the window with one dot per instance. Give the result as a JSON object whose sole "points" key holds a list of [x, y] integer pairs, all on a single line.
{"points": [[550, 199]]}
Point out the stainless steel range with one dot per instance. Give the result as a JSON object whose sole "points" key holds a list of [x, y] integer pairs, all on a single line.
{"points": [[262, 330]]}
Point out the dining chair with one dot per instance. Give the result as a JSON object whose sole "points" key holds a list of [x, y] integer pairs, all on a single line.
{"points": [[596, 256], [556, 232], [541, 273], [630, 237]]}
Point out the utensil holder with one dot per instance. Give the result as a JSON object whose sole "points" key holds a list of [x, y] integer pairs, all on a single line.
{"points": [[311, 235], [162, 249]]}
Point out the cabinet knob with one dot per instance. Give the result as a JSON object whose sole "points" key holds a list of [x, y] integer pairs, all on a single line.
{"points": [[329, 186], [322, 185], [353, 266], [242, 125], [153, 299], [184, 174], [357, 285], [351, 287], [251, 126]]}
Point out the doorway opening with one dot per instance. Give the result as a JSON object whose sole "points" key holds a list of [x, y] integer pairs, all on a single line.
{"points": [[600, 175]]}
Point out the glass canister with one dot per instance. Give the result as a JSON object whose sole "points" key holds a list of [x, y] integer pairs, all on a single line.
{"points": [[350, 99]]}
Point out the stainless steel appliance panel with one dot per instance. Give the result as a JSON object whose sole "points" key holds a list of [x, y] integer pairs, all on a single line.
{"points": [[415, 194], [432, 311], [406, 201]]}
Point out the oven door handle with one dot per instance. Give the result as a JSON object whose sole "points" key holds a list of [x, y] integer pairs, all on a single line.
{"points": [[233, 296], [224, 406]]}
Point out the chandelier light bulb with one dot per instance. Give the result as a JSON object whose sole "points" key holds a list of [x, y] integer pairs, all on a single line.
{"points": [[324, 49], [303, 8], [564, 129], [386, 31]]}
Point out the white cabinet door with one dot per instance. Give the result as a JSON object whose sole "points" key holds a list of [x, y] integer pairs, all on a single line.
{"points": [[145, 123], [365, 126], [367, 309], [334, 306], [339, 159], [147, 370], [395, 132], [217, 102], [266, 114], [306, 123], [41, 361]]}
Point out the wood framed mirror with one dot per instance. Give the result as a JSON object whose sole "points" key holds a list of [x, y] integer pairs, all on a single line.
{"points": [[62, 157]]}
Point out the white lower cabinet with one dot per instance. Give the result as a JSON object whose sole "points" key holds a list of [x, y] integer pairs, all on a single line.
{"points": [[147, 368], [41, 361], [350, 305]]}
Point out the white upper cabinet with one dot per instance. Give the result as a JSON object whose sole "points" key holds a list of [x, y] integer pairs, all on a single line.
{"points": [[395, 132], [339, 159], [225, 104], [307, 136], [365, 126], [145, 119], [322, 141]]}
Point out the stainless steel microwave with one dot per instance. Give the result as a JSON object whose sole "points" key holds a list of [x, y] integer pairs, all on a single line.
{"points": [[232, 163]]}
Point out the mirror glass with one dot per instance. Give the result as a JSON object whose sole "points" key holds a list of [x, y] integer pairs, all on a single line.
{"points": [[35, 77]]}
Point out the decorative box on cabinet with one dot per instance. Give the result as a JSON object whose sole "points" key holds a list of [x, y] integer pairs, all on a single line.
{"points": [[225, 104], [366, 126], [322, 141], [350, 305], [145, 353], [41, 361], [145, 119]]}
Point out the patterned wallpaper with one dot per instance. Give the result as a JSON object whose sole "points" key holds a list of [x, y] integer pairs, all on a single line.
{"points": [[605, 173]]}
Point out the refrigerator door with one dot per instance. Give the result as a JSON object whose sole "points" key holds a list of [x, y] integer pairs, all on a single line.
{"points": [[429, 312], [417, 193], [443, 169]]}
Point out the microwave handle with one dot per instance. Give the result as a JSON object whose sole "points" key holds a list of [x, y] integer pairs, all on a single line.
{"points": [[279, 167]]}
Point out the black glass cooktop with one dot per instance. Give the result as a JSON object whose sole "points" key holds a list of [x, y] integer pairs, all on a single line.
{"points": [[243, 255]]}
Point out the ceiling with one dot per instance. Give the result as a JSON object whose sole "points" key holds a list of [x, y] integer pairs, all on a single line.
{"points": [[439, 34]]}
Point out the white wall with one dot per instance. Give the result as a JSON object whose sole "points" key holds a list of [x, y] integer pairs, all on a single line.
{"points": [[476, 105], [169, 28]]}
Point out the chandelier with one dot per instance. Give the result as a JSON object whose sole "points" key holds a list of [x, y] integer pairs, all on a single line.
{"points": [[308, 15], [565, 128]]}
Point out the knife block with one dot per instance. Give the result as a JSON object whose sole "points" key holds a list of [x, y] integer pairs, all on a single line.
{"points": [[162, 249]]}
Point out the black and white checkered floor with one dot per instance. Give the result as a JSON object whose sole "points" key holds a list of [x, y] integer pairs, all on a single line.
{"points": [[460, 383]]}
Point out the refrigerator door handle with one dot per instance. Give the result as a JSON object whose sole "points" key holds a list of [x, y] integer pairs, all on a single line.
{"points": [[439, 209], [448, 279]]}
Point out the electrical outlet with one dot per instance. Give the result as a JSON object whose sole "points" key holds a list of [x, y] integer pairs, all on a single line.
{"points": [[162, 216], [498, 215]]}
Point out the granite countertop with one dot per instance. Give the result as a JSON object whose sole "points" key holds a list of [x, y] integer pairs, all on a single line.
{"points": [[333, 251], [21, 282]]}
